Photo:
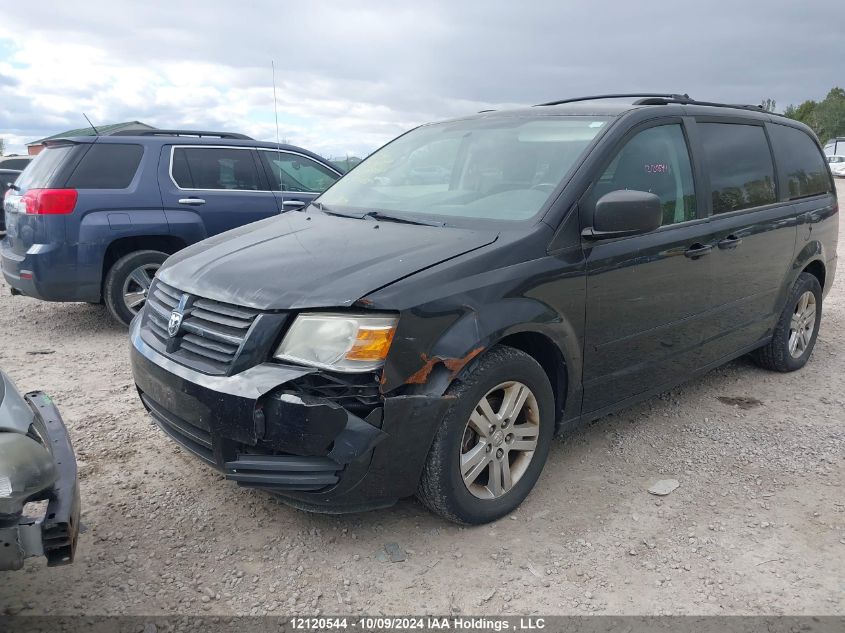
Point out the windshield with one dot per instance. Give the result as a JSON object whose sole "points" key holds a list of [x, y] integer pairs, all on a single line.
{"points": [[496, 168]]}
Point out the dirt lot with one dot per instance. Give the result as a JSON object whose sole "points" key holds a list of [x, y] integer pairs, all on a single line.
{"points": [[756, 526]]}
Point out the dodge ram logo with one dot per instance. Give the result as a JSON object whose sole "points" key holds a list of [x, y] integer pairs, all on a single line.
{"points": [[175, 322]]}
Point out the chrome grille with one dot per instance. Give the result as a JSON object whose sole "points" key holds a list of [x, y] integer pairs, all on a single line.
{"points": [[211, 332]]}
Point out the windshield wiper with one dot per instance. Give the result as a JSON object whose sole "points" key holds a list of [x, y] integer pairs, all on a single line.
{"points": [[375, 215], [328, 211], [387, 217]]}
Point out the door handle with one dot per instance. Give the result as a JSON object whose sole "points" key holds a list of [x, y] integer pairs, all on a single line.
{"points": [[731, 241], [293, 204], [698, 250], [191, 201]]}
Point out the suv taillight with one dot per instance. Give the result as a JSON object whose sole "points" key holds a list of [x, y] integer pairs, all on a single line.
{"points": [[49, 201]]}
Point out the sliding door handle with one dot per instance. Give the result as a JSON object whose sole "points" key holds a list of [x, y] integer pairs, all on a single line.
{"points": [[698, 250], [731, 241]]}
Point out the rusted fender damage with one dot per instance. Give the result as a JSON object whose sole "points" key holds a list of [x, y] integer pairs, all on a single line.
{"points": [[454, 365]]}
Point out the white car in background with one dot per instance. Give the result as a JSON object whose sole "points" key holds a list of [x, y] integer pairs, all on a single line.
{"points": [[837, 165]]}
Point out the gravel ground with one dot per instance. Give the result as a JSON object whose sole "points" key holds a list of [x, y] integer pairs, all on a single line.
{"points": [[756, 526]]}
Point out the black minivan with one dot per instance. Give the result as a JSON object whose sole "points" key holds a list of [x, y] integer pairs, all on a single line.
{"points": [[406, 335]]}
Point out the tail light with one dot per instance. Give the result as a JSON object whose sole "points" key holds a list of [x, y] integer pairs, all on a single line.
{"points": [[49, 201]]}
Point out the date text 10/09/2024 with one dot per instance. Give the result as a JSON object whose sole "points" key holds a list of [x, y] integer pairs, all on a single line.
{"points": [[427, 623]]}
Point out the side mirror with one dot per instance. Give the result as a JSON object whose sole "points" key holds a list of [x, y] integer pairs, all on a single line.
{"points": [[625, 212]]}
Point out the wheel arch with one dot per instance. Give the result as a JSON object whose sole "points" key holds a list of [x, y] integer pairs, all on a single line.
{"points": [[554, 345], [818, 270], [549, 356], [123, 246], [812, 259]]}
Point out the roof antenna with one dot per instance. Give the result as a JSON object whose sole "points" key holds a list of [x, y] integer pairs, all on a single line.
{"points": [[276, 114], [275, 106], [96, 131]]}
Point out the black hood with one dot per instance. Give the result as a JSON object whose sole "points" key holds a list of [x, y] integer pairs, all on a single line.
{"points": [[312, 260]]}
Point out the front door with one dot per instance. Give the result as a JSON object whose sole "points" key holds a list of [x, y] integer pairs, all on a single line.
{"points": [[217, 187], [646, 294]]}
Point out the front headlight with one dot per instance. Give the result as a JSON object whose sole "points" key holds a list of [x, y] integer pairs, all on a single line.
{"points": [[339, 342]]}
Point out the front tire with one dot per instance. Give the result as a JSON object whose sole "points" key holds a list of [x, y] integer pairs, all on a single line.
{"points": [[493, 441], [128, 282], [797, 329]]}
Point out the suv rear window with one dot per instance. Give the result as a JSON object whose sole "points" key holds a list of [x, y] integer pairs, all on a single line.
{"points": [[39, 173], [740, 165], [800, 162], [106, 166]]}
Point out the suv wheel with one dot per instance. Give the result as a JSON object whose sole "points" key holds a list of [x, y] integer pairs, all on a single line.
{"points": [[493, 442], [796, 331], [128, 282]]}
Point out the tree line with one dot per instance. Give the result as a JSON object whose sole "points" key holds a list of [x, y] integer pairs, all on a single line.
{"points": [[825, 117]]}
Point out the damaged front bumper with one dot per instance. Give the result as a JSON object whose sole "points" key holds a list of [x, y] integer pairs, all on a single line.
{"points": [[54, 532], [263, 430]]}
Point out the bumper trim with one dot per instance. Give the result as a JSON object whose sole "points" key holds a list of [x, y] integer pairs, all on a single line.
{"points": [[283, 472], [193, 438], [60, 528]]}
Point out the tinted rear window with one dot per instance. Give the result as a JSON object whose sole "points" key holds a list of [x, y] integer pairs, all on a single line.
{"points": [[800, 163], [106, 166], [739, 162], [39, 173]]}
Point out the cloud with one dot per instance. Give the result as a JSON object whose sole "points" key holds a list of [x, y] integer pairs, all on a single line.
{"points": [[350, 76]]}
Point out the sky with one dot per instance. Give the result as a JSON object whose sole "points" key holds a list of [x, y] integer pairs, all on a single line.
{"points": [[352, 75]]}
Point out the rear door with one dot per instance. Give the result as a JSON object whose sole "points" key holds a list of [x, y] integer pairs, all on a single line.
{"points": [[646, 294], [296, 178], [753, 232], [224, 187]]}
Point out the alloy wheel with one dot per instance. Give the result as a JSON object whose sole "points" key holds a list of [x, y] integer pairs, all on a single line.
{"points": [[802, 324], [137, 286], [499, 440]]}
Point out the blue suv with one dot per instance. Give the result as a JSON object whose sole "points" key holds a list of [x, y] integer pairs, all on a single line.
{"points": [[92, 218]]}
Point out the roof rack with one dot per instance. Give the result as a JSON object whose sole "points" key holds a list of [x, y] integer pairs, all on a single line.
{"points": [[630, 95], [197, 133], [661, 99]]}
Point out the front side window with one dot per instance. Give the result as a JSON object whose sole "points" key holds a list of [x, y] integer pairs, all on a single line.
{"points": [[497, 168], [215, 168], [739, 162], [293, 172], [656, 161]]}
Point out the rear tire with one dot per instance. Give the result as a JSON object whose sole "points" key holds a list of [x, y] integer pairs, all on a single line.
{"points": [[474, 476], [797, 329], [128, 281]]}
